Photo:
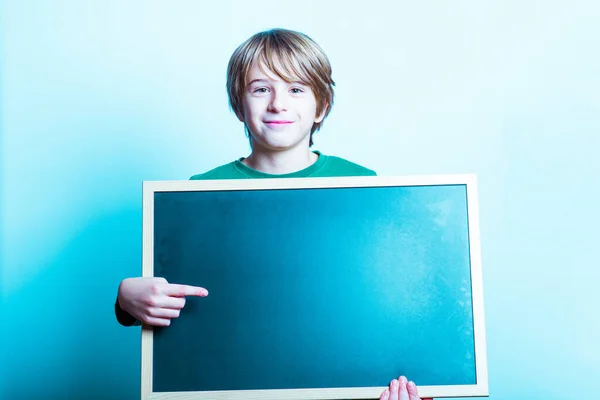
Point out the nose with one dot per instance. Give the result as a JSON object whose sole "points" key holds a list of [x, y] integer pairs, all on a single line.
{"points": [[277, 103]]}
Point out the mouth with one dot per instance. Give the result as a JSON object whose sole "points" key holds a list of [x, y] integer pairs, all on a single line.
{"points": [[278, 122]]}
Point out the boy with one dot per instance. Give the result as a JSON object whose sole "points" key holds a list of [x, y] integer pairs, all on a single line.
{"points": [[279, 85]]}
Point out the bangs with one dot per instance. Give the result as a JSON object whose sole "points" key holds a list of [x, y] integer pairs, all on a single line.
{"points": [[289, 62]]}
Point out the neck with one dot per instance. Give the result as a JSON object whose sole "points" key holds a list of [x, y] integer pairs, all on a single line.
{"points": [[282, 162]]}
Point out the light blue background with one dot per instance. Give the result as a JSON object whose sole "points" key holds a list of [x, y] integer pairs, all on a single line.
{"points": [[98, 96]]}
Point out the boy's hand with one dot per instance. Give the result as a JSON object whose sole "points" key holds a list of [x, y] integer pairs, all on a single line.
{"points": [[154, 301], [400, 389]]}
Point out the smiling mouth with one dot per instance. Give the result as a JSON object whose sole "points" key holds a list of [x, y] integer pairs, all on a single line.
{"points": [[279, 122]]}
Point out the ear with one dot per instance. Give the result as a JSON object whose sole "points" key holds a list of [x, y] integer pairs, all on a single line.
{"points": [[321, 116]]}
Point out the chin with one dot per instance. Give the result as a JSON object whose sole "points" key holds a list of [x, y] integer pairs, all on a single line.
{"points": [[280, 145], [280, 142]]}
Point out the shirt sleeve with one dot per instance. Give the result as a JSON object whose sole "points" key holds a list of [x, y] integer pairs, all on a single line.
{"points": [[124, 317]]}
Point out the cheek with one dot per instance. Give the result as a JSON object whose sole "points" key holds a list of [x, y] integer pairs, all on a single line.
{"points": [[308, 111], [252, 112]]}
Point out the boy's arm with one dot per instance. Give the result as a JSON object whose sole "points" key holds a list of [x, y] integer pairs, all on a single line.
{"points": [[152, 301]]}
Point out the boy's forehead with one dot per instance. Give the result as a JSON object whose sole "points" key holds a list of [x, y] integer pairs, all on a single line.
{"points": [[260, 71]]}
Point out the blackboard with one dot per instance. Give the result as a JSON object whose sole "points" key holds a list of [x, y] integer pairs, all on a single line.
{"points": [[320, 288]]}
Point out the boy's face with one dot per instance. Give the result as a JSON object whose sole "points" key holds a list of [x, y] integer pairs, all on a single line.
{"points": [[278, 114]]}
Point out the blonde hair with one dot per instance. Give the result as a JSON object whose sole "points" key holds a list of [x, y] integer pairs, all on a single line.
{"points": [[292, 56]]}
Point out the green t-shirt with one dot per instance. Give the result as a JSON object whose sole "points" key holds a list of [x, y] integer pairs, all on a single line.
{"points": [[325, 166]]}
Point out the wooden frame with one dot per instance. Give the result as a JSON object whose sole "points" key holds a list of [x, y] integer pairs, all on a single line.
{"points": [[480, 388]]}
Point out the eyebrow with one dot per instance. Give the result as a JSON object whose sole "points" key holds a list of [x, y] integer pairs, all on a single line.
{"points": [[256, 80], [266, 81]]}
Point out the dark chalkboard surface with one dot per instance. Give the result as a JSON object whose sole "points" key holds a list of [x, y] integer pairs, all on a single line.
{"points": [[316, 284]]}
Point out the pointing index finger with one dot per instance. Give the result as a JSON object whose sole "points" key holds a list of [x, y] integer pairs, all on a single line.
{"points": [[185, 290]]}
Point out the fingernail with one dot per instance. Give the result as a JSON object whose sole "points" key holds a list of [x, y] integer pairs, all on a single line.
{"points": [[395, 383], [403, 380], [411, 384]]}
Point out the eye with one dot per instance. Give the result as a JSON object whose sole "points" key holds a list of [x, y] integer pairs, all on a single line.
{"points": [[296, 90], [260, 90]]}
